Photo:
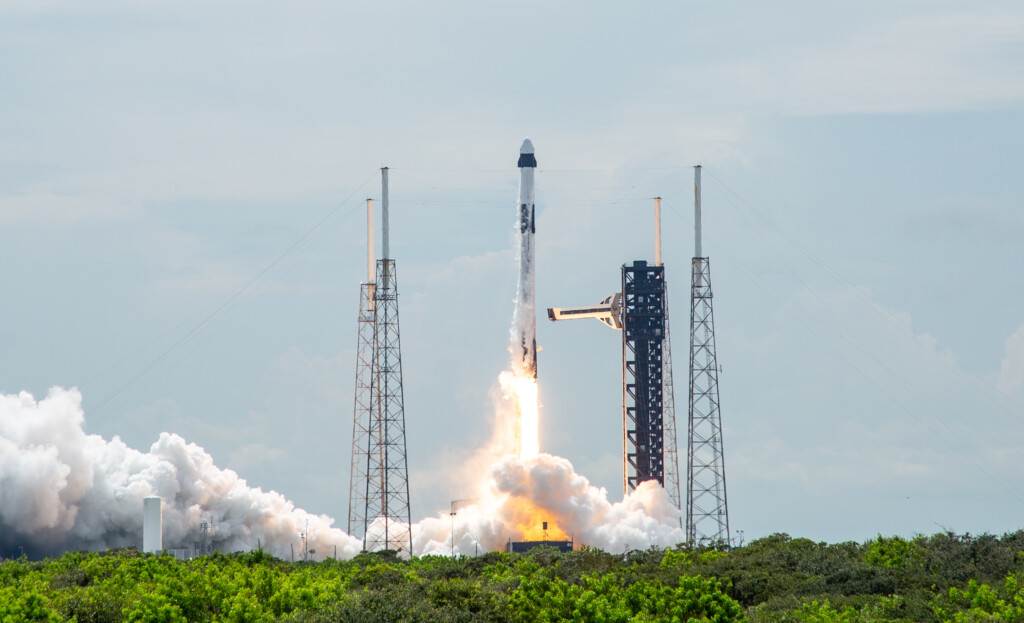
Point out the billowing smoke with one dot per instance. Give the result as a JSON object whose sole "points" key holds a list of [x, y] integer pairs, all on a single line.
{"points": [[511, 494], [521, 493], [61, 488]]}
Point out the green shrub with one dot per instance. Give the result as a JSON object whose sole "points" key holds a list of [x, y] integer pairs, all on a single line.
{"points": [[777, 579]]}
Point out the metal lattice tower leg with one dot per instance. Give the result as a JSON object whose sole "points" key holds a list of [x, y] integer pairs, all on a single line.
{"points": [[387, 471], [707, 509], [669, 418], [363, 409], [643, 335]]}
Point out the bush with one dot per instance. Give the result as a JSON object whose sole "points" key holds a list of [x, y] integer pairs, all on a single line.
{"points": [[945, 577]]}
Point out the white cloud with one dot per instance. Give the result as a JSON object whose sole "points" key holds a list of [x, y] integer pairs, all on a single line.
{"points": [[958, 61], [889, 400], [1011, 370], [245, 456]]}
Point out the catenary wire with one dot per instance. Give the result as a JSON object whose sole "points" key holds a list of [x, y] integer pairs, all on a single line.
{"points": [[245, 287]]}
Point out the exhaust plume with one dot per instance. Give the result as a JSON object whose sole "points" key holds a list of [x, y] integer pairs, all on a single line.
{"points": [[519, 493], [63, 489]]}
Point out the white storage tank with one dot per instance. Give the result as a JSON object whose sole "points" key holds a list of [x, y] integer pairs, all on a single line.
{"points": [[152, 526]]}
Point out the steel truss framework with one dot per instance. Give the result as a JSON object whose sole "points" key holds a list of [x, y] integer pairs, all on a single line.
{"points": [[668, 392], [363, 409], [707, 510], [379, 489], [643, 337]]}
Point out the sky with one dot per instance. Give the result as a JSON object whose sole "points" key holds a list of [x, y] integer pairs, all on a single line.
{"points": [[182, 191]]}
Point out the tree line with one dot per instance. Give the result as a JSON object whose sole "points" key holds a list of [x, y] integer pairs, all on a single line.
{"points": [[778, 579]]}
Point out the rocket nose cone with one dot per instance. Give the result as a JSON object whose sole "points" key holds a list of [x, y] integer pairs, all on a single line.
{"points": [[526, 158]]}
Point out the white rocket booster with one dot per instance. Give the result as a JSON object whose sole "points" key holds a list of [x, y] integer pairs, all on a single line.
{"points": [[525, 321]]}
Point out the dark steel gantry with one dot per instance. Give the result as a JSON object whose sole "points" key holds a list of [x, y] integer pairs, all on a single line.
{"points": [[643, 338]]}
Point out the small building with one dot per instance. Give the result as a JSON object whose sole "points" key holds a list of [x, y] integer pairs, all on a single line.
{"points": [[521, 547], [152, 525]]}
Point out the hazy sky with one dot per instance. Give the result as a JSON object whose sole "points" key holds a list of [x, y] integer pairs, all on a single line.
{"points": [[182, 234]]}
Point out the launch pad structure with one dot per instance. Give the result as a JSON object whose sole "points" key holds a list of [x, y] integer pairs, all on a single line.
{"points": [[649, 438], [643, 343], [379, 510], [640, 310], [379, 479]]}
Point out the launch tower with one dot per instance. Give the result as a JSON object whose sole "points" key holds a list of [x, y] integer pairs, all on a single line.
{"points": [[640, 310], [643, 338]]}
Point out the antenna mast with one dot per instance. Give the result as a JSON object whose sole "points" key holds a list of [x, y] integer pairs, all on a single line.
{"points": [[696, 212], [371, 260], [657, 232], [385, 223]]}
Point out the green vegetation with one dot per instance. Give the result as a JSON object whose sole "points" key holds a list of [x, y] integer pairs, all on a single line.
{"points": [[773, 580]]}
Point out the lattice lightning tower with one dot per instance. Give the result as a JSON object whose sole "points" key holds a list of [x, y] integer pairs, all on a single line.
{"points": [[379, 485], [668, 392], [364, 401], [707, 509]]}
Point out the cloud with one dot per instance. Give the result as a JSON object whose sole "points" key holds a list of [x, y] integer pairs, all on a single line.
{"points": [[254, 453], [880, 405], [1011, 369], [925, 63], [49, 208]]}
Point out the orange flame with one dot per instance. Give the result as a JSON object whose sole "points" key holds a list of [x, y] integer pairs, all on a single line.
{"points": [[521, 389], [529, 520]]}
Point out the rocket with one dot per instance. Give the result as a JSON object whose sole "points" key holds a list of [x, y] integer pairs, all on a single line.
{"points": [[525, 321]]}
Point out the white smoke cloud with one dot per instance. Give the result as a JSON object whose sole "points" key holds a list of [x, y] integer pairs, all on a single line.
{"points": [[519, 493], [61, 489]]}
